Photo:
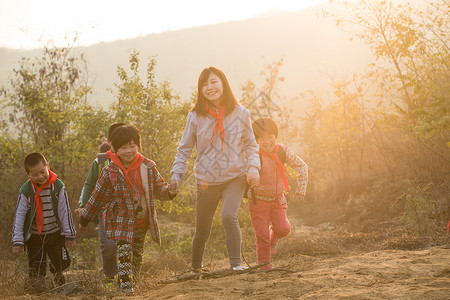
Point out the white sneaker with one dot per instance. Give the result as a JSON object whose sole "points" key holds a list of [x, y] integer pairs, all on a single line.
{"points": [[239, 268]]}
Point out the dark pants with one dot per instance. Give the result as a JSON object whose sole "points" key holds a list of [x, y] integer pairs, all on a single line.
{"points": [[108, 249], [51, 245]]}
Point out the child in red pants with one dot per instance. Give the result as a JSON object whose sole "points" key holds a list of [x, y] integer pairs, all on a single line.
{"points": [[266, 202]]}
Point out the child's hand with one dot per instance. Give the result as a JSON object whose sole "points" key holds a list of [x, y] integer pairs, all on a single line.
{"points": [[174, 187], [71, 245], [253, 179], [78, 211], [17, 250]]}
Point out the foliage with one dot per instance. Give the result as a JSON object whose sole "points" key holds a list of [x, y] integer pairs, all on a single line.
{"points": [[158, 112], [175, 241], [46, 94], [419, 210], [393, 122], [86, 255]]}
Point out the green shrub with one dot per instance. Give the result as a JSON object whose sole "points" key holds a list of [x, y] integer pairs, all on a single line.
{"points": [[419, 210]]}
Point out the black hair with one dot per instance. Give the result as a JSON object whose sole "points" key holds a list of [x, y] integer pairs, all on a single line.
{"points": [[124, 134], [32, 160], [112, 128], [104, 147], [229, 100], [266, 125]]}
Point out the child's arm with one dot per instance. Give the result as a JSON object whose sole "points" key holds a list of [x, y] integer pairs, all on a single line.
{"points": [[19, 222], [299, 166], [160, 187], [89, 184], [99, 197], [65, 216]]}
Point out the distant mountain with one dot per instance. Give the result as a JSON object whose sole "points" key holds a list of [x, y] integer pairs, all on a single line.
{"points": [[311, 45]]}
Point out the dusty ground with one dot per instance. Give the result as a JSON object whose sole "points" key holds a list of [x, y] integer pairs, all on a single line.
{"points": [[316, 273], [393, 274]]}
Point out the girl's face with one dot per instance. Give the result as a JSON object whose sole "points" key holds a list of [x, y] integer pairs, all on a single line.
{"points": [[266, 142], [39, 173], [212, 89], [127, 153]]}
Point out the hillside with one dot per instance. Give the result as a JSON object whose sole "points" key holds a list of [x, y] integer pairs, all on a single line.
{"points": [[311, 45]]}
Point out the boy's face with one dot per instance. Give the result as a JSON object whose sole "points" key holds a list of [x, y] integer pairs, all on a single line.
{"points": [[39, 173], [127, 153], [266, 142]]}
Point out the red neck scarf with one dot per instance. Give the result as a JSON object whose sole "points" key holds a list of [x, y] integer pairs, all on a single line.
{"points": [[219, 124], [38, 200], [133, 166], [280, 167]]}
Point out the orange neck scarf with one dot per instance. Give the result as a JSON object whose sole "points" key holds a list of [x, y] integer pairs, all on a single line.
{"points": [[38, 200], [280, 167], [133, 166], [219, 124]]}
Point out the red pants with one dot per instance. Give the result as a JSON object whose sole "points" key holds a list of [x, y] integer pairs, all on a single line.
{"points": [[263, 214]]}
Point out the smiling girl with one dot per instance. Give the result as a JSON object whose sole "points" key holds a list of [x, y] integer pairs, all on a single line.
{"points": [[227, 157], [127, 187]]}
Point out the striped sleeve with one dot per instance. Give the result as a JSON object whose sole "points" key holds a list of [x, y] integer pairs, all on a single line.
{"points": [[19, 220], [301, 168], [65, 215]]}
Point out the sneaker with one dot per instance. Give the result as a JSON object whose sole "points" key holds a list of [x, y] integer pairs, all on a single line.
{"points": [[59, 279], [239, 268], [126, 287]]}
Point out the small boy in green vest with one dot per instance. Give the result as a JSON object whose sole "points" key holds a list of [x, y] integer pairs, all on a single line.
{"points": [[43, 222]]}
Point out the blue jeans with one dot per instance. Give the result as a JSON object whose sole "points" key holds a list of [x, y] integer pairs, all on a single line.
{"points": [[108, 249]]}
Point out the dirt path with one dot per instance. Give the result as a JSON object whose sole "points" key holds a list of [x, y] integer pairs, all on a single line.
{"points": [[392, 274], [323, 269]]}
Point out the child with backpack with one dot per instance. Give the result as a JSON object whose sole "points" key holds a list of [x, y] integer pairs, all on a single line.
{"points": [[108, 247], [43, 223], [266, 202], [127, 187]]}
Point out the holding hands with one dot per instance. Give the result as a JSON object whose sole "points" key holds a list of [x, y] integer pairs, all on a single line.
{"points": [[253, 179], [174, 187]]}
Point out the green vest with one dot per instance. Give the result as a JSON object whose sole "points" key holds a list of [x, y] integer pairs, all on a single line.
{"points": [[102, 161], [28, 191]]}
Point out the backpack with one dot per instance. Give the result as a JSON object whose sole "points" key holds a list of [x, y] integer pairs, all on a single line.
{"points": [[281, 153], [102, 161]]}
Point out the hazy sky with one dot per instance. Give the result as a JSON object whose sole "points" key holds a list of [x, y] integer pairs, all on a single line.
{"points": [[24, 22]]}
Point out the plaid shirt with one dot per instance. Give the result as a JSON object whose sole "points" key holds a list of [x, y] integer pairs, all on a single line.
{"points": [[111, 191]]}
